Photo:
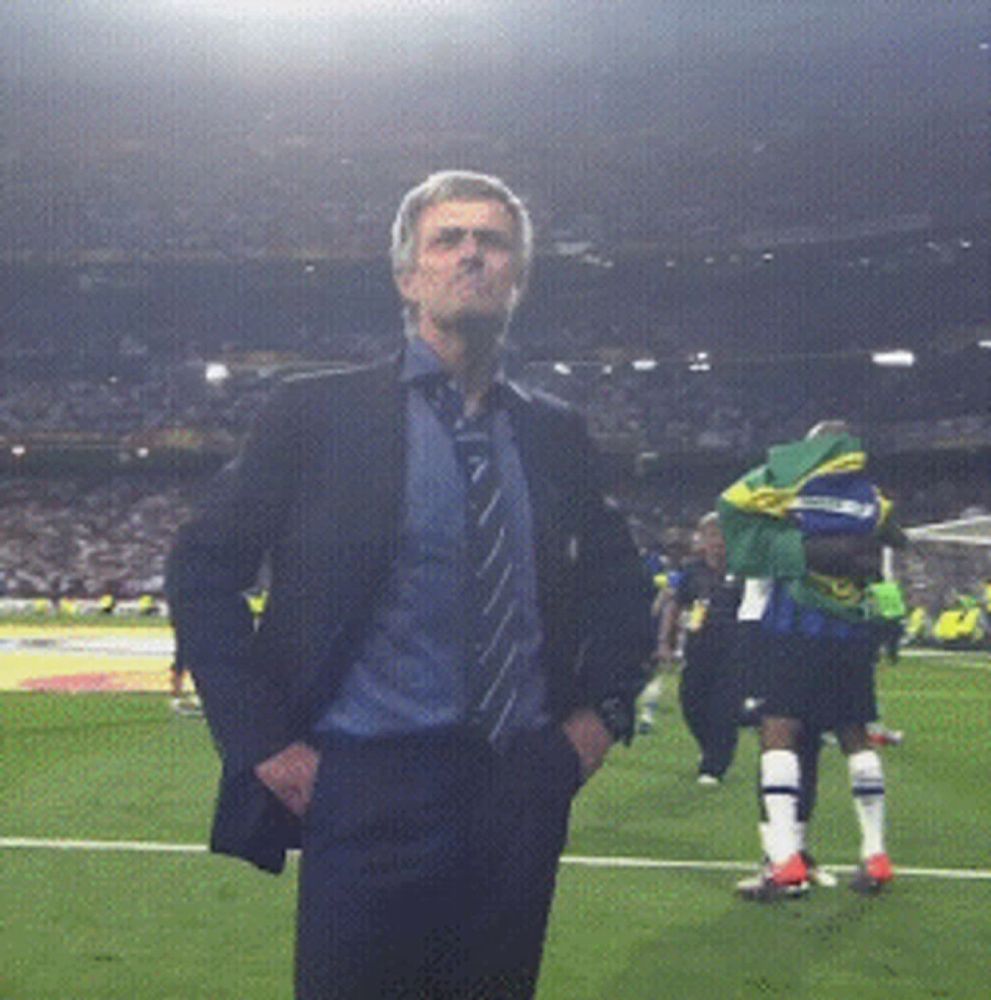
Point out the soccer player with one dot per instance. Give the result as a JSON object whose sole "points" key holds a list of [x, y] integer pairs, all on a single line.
{"points": [[812, 524]]}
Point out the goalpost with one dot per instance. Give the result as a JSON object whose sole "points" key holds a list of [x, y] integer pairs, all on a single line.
{"points": [[945, 559]]}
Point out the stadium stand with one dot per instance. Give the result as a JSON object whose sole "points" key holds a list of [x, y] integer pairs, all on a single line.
{"points": [[124, 381]]}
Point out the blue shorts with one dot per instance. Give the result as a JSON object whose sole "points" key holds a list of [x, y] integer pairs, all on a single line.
{"points": [[815, 668], [826, 683]]}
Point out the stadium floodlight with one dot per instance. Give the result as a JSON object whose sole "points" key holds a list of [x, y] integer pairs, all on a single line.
{"points": [[893, 359], [216, 373], [644, 364], [18, 451], [562, 368], [984, 344], [699, 362]]}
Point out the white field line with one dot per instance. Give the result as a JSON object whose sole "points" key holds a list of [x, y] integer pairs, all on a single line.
{"points": [[961, 659], [134, 846], [966, 874], [578, 860]]}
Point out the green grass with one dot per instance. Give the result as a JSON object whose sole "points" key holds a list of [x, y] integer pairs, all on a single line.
{"points": [[89, 621], [86, 924]]}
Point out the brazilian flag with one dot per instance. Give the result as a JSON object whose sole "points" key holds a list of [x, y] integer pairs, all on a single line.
{"points": [[816, 486]]}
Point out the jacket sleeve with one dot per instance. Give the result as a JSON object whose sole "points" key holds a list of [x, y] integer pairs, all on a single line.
{"points": [[615, 597], [216, 557]]}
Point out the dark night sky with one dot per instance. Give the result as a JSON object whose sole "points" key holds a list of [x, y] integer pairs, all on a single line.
{"points": [[685, 54], [862, 108]]}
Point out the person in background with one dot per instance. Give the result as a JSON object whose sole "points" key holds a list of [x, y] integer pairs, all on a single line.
{"points": [[182, 701], [890, 611], [711, 691], [649, 703]]}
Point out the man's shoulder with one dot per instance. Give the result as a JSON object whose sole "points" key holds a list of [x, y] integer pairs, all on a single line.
{"points": [[544, 406], [355, 388], [341, 379]]}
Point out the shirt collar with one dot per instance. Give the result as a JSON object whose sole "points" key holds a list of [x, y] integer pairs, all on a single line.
{"points": [[420, 361], [421, 364]]}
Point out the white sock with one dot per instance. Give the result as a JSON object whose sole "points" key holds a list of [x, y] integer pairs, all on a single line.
{"points": [[779, 777], [867, 785], [764, 830]]}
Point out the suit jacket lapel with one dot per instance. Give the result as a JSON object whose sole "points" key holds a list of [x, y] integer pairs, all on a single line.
{"points": [[544, 490]]}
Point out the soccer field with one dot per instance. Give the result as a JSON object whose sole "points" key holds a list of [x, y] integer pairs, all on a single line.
{"points": [[108, 893]]}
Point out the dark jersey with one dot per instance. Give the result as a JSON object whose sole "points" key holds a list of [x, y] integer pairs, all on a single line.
{"points": [[711, 599]]}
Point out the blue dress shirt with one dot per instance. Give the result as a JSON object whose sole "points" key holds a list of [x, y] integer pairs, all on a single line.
{"points": [[411, 671]]}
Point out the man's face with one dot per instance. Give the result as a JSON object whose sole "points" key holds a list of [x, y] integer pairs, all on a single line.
{"points": [[466, 269], [712, 544]]}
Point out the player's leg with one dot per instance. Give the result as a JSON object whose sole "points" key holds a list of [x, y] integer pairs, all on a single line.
{"points": [[692, 697], [175, 682], [723, 698], [780, 785], [787, 689], [785, 873], [783, 691], [649, 702], [857, 706], [868, 790], [809, 749]]}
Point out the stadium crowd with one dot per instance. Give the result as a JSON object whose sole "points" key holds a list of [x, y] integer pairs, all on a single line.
{"points": [[117, 357], [674, 407], [84, 538], [96, 533]]}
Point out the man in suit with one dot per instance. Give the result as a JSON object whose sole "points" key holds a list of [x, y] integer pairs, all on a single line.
{"points": [[453, 640]]}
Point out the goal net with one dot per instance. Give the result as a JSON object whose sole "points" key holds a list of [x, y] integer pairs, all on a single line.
{"points": [[945, 560]]}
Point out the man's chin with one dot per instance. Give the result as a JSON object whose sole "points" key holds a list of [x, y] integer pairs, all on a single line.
{"points": [[478, 327]]}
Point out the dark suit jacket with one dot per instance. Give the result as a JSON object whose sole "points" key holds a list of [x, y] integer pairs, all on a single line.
{"points": [[317, 493]]}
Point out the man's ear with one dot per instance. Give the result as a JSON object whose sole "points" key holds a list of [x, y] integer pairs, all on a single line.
{"points": [[520, 284]]}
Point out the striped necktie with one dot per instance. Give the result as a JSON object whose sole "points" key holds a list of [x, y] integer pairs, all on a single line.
{"points": [[492, 595]]}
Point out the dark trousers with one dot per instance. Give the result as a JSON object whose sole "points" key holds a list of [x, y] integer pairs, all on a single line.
{"points": [[428, 866], [711, 692]]}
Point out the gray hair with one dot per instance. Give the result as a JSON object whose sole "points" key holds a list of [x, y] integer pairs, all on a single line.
{"points": [[457, 185]]}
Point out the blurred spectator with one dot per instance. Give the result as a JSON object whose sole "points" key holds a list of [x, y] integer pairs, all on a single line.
{"points": [[83, 535]]}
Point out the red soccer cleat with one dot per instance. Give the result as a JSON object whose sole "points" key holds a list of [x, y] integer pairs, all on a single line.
{"points": [[873, 875], [787, 880]]}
